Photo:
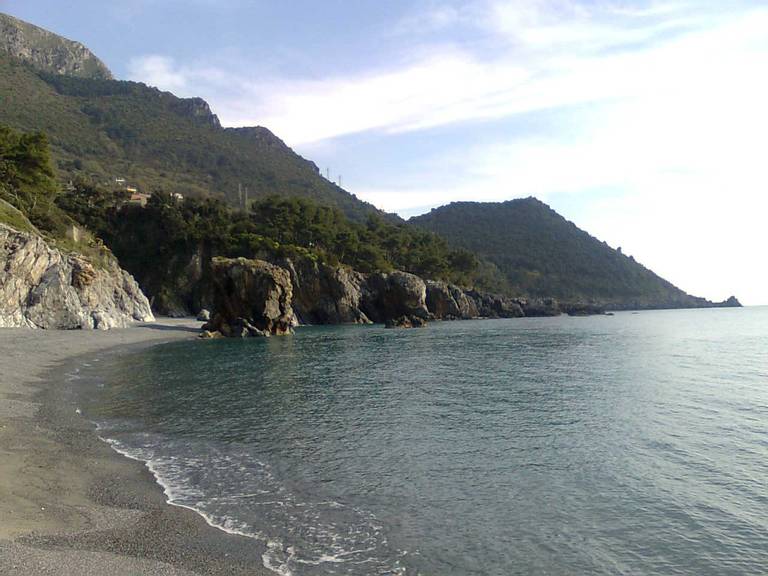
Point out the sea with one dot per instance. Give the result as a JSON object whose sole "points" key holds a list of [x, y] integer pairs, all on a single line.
{"points": [[635, 443]]}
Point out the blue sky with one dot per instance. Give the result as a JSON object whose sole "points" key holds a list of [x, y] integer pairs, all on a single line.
{"points": [[643, 122]]}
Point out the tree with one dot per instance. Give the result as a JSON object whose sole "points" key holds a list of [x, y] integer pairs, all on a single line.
{"points": [[26, 174]]}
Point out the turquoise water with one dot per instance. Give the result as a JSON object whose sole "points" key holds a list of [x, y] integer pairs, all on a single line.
{"points": [[626, 444]]}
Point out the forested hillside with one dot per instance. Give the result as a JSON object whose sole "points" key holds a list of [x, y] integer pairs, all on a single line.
{"points": [[106, 129], [543, 254]]}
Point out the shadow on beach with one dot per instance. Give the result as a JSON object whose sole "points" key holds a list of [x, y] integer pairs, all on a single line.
{"points": [[164, 327]]}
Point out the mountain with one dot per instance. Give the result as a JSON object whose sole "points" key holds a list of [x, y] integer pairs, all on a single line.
{"points": [[112, 135], [107, 129], [543, 254], [47, 51]]}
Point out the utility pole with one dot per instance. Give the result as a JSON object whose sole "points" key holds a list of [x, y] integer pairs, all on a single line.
{"points": [[339, 180]]}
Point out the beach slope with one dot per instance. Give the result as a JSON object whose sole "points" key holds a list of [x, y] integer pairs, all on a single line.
{"points": [[69, 504]]}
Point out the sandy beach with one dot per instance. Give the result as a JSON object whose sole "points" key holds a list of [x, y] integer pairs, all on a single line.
{"points": [[69, 504]]}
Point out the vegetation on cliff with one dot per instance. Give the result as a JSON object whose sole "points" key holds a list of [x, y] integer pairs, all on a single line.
{"points": [[158, 242], [29, 195]]}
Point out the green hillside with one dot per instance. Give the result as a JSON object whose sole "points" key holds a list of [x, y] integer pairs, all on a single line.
{"points": [[543, 254], [107, 129]]}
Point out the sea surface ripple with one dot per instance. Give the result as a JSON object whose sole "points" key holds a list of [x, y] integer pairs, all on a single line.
{"points": [[626, 444]]}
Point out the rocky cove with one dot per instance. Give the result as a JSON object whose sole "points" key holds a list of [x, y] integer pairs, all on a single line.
{"points": [[257, 298]]}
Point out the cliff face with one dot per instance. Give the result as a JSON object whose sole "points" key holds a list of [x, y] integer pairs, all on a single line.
{"points": [[325, 294], [47, 51], [197, 109], [40, 287], [253, 298]]}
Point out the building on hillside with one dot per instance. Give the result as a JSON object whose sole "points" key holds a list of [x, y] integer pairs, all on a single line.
{"points": [[138, 197], [178, 197]]}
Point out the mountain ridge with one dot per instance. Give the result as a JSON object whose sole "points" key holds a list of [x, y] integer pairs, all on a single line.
{"points": [[105, 129], [543, 254]]}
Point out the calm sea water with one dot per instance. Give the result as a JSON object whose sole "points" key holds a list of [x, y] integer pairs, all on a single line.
{"points": [[630, 444]]}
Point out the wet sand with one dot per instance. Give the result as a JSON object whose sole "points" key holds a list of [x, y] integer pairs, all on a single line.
{"points": [[69, 504]]}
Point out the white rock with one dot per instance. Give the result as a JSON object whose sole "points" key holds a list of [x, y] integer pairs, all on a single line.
{"points": [[42, 288]]}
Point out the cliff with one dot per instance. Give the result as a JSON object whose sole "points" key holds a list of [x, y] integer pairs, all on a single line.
{"points": [[257, 298], [41, 287], [47, 51]]}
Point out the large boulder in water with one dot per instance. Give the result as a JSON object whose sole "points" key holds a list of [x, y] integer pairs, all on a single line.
{"points": [[253, 298], [42, 287]]}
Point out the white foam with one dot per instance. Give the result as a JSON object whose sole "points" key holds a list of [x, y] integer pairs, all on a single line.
{"points": [[170, 498], [307, 521]]}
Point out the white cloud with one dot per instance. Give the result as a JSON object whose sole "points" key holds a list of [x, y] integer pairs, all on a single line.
{"points": [[544, 55], [160, 71]]}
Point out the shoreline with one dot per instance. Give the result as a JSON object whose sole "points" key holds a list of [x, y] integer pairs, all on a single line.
{"points": [[69, 502]]}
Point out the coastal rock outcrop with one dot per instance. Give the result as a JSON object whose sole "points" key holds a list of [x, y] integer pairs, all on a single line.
{"points": [[405, 322], [731, 302], [449, 302], [539, 307], [581, 308], [495, 305], [324, 294], [41, 287], [253, 298], [388, 296]]}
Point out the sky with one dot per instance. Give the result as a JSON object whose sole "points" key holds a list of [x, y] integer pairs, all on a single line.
{"points": [[643, 122]]}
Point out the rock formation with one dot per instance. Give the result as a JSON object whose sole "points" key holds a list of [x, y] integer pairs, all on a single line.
{"points": [[197, 109], [41, 287], [539, 306], [324, 294], [495, 306], [405, 322], [449, 302], [253, 298], [393, 295], [48, 52]]}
